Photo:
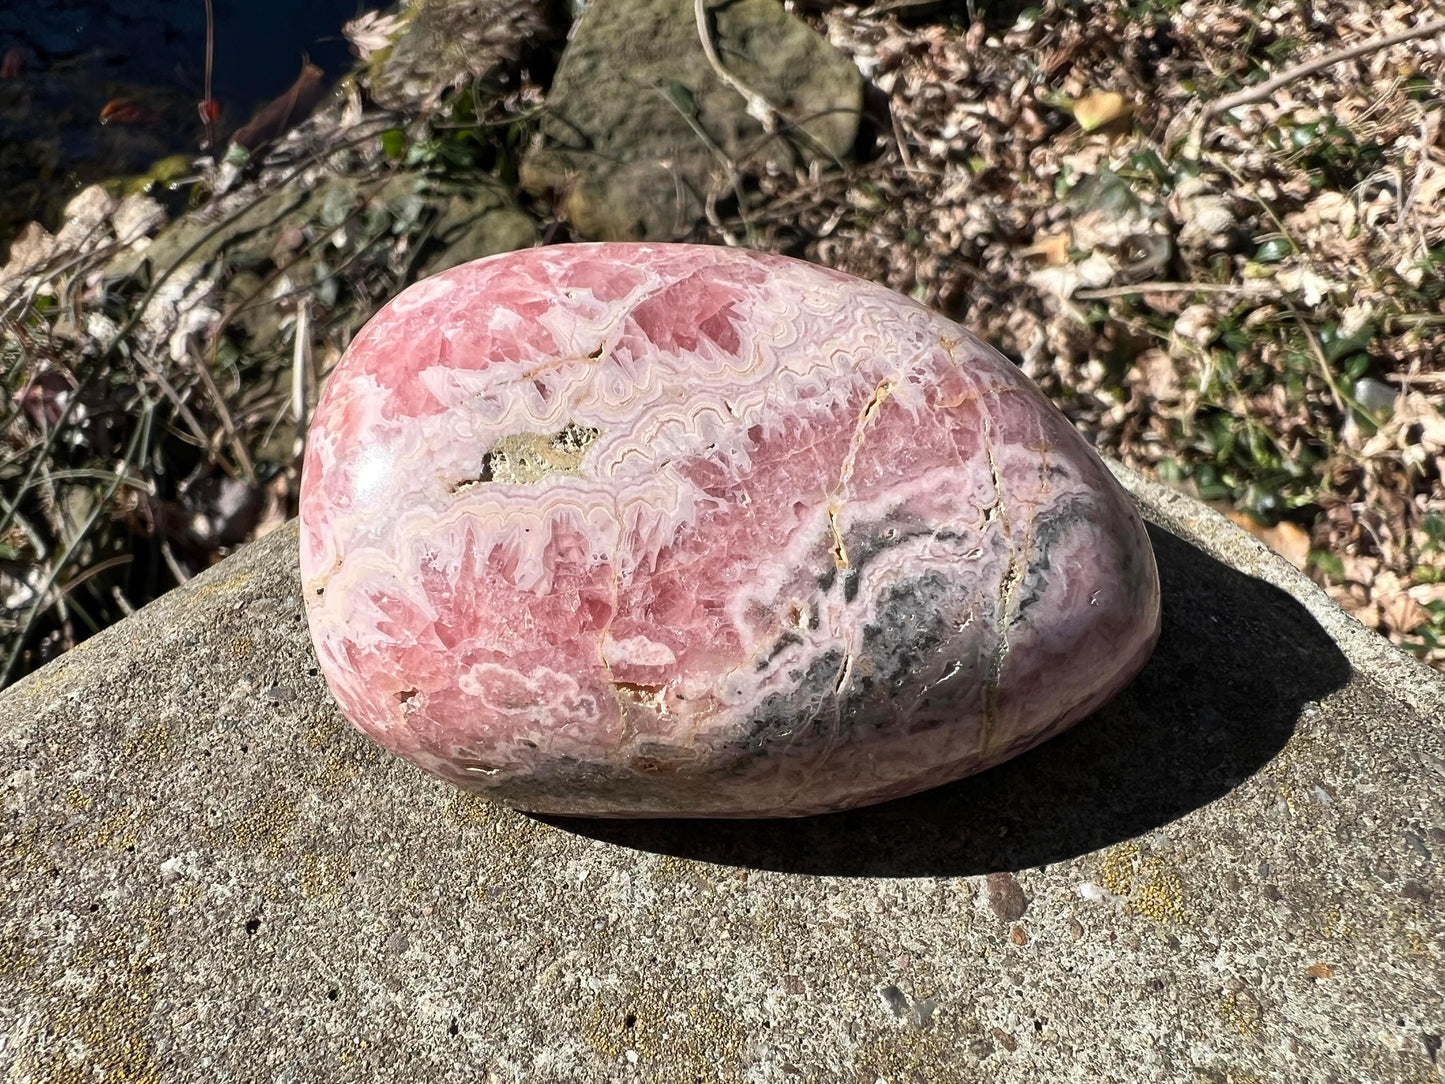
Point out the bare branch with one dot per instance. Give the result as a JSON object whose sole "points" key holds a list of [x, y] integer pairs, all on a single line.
{"points": [[1299, 71], [756, 102]]}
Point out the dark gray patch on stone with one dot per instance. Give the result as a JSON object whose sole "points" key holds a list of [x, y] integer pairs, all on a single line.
{"points": [[1047, 533], [783, 642], [865, 543], [912, 619], [781, 714]]}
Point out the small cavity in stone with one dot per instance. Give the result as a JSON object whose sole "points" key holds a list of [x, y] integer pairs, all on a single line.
{"points": [[527, 458]]}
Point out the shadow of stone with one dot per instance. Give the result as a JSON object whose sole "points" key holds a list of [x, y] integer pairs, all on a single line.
{"points": [[1237, 660]]}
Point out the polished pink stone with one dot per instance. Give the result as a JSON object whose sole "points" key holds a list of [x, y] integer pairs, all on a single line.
{"points": [[639, 530]]}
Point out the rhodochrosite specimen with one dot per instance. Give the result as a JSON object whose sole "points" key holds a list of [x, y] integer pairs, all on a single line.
{"points": [[639, 530]]}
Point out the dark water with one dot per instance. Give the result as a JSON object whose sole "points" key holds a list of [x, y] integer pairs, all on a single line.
{"points": [[66, 59], [161, 43]]}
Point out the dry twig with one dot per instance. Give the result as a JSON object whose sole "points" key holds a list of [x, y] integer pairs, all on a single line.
{"points": [[1248, 289], [1289, 75], [223, 412], [300, 366], [758, 106]]}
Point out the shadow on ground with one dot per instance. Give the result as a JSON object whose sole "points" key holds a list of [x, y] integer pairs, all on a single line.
{"points": [[1236, 662]]}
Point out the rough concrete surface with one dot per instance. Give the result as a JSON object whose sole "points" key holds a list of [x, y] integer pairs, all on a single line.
{"points": [[1233, 873]]}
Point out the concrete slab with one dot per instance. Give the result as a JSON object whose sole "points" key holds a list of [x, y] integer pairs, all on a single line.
{"points": [[1235, 872]]}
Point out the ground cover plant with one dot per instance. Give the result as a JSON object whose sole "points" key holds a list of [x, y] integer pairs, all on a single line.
{"points": [[1221, 258]]}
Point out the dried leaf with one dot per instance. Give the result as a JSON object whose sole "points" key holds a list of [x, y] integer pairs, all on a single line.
{"points": [[1402, 613], [31, 248], [1196, 325], [135, 217], [371, 32], [1417, 409], [1426, 593], [1054, 248], [1095, 110], [1287, 539], [1156, 372], [1311, 285], [278, 116], [1063, 281]]}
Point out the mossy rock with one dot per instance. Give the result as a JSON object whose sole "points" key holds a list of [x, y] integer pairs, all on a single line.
{"points": [[446, 43], [197, 239], [480, 219], [635, 104]]}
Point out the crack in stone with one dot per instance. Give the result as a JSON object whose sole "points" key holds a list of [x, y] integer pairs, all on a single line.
{"points": [[844, 673], [954, 669], [1008, 584], [530, 375], [996, 509], [845, 475], [840, 549]]}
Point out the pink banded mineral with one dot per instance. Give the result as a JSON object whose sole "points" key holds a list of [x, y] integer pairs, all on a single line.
{"points": [[632, 530]]}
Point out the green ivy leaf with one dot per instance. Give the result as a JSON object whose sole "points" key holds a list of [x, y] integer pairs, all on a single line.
{"points": [[1273, 250], [1434, 527], [393, 143], [1336, 346]]}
